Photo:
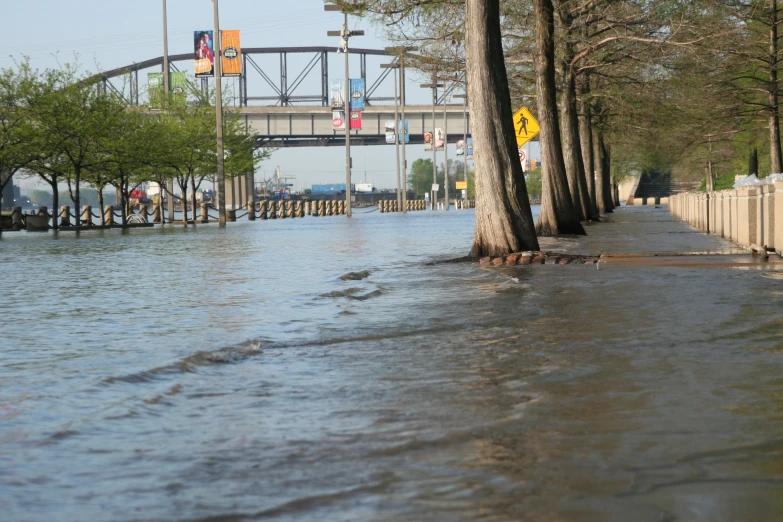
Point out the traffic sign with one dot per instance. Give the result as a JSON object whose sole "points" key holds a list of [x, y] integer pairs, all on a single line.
{"points": [[522, 155], [525, 126]]}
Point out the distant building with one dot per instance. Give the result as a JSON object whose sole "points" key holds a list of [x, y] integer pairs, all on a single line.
{"points": [[9, 194]]}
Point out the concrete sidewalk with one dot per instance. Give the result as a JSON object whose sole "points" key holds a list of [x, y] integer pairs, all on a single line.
{"points": [[650, 236]]}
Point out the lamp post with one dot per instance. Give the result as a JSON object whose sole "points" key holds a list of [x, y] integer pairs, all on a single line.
{"points": [[400, 52], [445, 153], [345, 34], [221, 177], [464, 134], [434, 86], [169, 182], [396, 66]]}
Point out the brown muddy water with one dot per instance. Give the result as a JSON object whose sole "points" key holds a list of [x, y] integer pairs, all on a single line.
{"points": [[232, 375]]}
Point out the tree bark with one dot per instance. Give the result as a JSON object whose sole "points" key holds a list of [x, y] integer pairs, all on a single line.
{"points": [[100, 207], [558, 214], [586, 137], [193, 195], [55, 203], [76, 199], [504, 221], [602, 174], [775, 154], [572, 146]]}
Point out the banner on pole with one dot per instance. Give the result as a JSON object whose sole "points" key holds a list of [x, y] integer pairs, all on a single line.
{"points": [[356, 120], [390, 131], [204, 47], [460, 147], [427, 141], [439, 139], [178, 83], [155, 90], [337, 97], [357, 94], [338, 120], [177, 87], [231, 52], [470, 149]]}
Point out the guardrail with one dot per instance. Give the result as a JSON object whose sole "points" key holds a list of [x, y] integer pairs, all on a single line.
{"points": [[749, 216]]}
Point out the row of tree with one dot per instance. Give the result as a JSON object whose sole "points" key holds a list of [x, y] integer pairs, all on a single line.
{"points": [[66, 128], [618, 86]]}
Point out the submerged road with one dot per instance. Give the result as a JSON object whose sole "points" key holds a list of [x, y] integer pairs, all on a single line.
{"points": [[233, 375]]}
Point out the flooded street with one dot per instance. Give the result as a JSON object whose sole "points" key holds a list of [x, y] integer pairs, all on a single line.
{"points": [[232, 375]]}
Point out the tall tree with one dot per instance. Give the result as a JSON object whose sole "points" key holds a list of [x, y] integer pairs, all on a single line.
{"points": [[558, 214]]}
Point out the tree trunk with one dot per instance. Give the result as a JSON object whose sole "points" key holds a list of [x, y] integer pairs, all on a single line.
{"points": [[775, 154], [55, 203], [572, 147], [100, 206], [183, 186], [602, 174], [504, 221], [193, 195], [123, 188], [586, 137], [606, 180], [76, 199], [558, 214]]}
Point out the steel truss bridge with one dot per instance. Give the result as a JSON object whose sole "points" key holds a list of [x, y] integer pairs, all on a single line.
{"points": [[283, 96]]}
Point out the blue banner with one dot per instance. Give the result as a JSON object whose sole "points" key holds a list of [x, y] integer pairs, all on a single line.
{"points": [[357, 94]]}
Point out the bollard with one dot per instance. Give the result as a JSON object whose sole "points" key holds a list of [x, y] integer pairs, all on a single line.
{"points": [[156, 215], [262, 209], [204, 217], [314, 208], [273, 209], [281, 210], [290, 209], [381, 206], [86, 216], [322, 208], [108, 215], [143, 213], [231, 215], [251, 210], [65, 216], [330, 208], [342, 208], [16, 218]]}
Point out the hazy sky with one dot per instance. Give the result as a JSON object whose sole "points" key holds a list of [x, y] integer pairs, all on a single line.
{"points": [[111, 33]]}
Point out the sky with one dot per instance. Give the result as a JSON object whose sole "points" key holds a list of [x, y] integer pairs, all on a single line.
{"points": [[105, 34]]}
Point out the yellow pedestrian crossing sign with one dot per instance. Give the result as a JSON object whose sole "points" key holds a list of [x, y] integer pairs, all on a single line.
{"points": [[525, 126]]}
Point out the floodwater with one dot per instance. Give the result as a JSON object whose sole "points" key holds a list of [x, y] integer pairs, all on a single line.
{"points": [[231, 375]]}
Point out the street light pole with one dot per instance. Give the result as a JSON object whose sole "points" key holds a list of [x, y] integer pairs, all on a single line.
{"points": [[346, 35], [445, 152], [169, 182], [404, 134], [396, 128], [221, 177], [464, 135], [434, 86]]}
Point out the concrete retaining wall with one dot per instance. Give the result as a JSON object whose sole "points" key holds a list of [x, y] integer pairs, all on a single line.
{"points": [[747, 215]]}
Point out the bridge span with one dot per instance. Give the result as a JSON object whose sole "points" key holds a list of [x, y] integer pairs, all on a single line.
{"points": [[284, 95]]}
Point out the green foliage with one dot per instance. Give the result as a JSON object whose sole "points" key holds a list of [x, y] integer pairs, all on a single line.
{"points": [[722, 182], [533, 183], [41, 197]]}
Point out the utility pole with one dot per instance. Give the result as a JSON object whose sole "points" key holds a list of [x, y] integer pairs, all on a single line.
{"points": [[346, 35], [464, 132], [434, 86], [445, 153], [221, 175], [400, 53], [169, 182]]}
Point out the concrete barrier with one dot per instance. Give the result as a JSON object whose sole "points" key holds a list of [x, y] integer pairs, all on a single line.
{"points": [[747, 215]]}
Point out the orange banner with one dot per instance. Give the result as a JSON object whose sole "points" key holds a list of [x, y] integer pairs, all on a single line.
{"points": [[231, 51]]}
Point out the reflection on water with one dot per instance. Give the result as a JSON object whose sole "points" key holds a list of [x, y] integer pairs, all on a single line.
{"points": [[207, 374]]}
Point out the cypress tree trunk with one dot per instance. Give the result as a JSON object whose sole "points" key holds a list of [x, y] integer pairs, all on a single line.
{"points": [[753, 162], [572, 145], [76, 199], [558, 215], [193, 195], [775, 154], [504, 221], [602, 174], [586, 137]]}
